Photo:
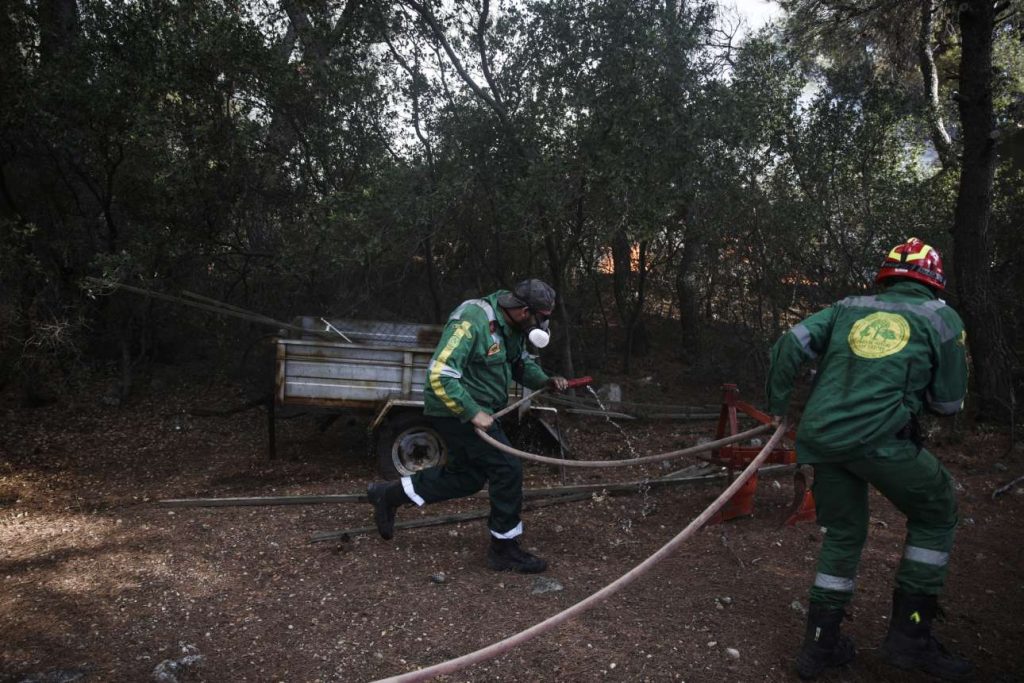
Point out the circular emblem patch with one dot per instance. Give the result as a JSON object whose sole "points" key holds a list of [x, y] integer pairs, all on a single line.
{"points": [[879, 335]]}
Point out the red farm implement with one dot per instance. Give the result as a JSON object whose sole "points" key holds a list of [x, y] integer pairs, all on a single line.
{"points": [[736, 457]]}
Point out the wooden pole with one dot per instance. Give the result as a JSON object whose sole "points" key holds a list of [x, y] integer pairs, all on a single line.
{"points": [[694, 475], [262, 500]]}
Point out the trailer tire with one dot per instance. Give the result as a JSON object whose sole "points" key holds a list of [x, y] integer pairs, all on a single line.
{"points": [[407, 443]]}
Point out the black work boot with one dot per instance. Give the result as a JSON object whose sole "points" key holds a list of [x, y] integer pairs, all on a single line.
{"points": [[824, 647], [386, 497], [911, 645], [505, 554]]}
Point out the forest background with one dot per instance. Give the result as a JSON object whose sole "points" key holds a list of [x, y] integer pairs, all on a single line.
{"points": [[678, 180]]}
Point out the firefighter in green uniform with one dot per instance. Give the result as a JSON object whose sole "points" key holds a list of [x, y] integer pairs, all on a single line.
{"points": [[881, 361], [483, 348]]}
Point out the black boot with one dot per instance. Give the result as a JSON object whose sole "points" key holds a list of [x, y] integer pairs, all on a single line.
{"points": [[911, 645], [824, 647], [386, 497], [505, 554]]}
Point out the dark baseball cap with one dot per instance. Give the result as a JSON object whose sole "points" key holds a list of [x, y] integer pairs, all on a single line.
{"points": [[534, 294]]}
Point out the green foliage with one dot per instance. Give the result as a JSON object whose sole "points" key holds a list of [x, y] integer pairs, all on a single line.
{"points": [[384, 159]]}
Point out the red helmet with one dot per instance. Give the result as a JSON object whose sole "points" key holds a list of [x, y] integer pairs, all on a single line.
{"points": [[914, 260]]}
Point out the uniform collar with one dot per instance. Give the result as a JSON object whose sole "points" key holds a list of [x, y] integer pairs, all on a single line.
{"points": [[911, 288], [499, 314]]}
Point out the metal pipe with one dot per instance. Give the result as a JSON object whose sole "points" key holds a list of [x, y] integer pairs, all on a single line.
{"points": [[332, 328]]}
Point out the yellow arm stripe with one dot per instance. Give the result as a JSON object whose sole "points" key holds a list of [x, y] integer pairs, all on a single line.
{"points": [[460, 332]]}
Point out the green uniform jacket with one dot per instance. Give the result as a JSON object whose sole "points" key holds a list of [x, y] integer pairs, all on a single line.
{"points": [[882, 360], [473, 365]]}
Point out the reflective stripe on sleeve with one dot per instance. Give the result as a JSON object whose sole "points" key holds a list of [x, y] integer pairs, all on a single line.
{"points": [[444, 370], [833, 583], [482, 303], [936, 558], [411, 492], [803, 335]]}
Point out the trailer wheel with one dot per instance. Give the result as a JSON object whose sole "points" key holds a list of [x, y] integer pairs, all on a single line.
{"points": [[407, 443]]}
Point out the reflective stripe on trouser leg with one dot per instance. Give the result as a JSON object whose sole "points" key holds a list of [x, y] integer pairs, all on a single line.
{"points": [[925, 556], [410, 492], [505, 489], [517, 530], [922, 571], [838, 584], [921, 488], [841, 499]]}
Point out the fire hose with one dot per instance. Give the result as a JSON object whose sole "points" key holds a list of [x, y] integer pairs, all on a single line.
{"points": [[658, 457], [710, 445], [502, 646]]}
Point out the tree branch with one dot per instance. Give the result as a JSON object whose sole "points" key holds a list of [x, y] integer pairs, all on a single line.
{"points": [[438, 32], [930, 81], [481, 28]]}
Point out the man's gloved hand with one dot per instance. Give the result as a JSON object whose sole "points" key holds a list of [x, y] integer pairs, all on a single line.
{"points": [[558, 383], [482, 421]]}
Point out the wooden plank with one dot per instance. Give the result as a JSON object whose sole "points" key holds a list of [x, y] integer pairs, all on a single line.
{"points": [[343, 352], [322, 349], [341, 392], [296, 370]]}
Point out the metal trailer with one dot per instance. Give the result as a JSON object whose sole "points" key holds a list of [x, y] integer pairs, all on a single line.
{"points": [[374, 366]]}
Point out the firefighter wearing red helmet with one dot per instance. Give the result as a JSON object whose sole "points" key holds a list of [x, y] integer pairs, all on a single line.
{"points": [[882, 359], [913, 260]]}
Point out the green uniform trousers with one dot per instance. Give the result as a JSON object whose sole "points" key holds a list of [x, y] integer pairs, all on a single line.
{"points": [[469, 465], [918, 485]]}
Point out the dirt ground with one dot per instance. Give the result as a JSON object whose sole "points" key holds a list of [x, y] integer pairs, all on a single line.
{"points": [[102, 583]]}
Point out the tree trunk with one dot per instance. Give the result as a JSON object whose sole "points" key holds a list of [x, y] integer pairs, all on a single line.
{"points": [[972, 243], [58, 29], [556, 263], [688, 292], [621, 266]]}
